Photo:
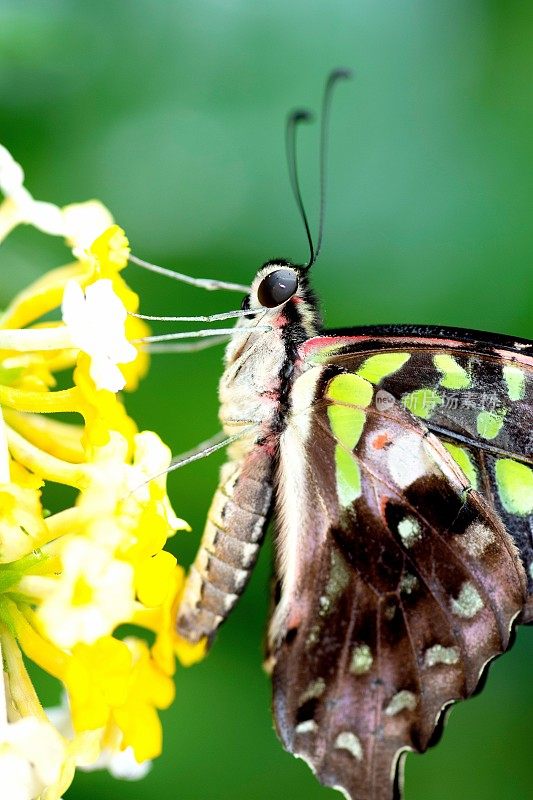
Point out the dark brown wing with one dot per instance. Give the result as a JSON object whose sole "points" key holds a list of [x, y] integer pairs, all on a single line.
{"points": [[399, 581], [474, 391]]}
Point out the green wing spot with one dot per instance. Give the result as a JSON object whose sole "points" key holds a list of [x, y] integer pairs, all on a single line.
{"points": [[454, 376], [422, 402], [323, 355], [515, 486], [350, 388], [516, 382], [347, 424], [377, 367], [348, 476], [463, 460], [490, 423]]}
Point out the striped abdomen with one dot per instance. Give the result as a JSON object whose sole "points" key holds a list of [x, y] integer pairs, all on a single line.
{"points": [[235, 527]]}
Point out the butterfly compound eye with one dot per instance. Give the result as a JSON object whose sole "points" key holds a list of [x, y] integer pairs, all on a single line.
{"points": [[277, 287]]}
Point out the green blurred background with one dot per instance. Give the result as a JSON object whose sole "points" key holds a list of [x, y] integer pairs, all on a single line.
{"points": [[172, 113]]}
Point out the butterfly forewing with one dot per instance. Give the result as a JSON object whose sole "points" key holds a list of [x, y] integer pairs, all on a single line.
{"points": [[405, 580], [477, 396]]}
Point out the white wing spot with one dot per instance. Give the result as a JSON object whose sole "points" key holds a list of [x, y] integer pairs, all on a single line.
{"points": [[468, 603], [476, 539], [349, 741], [324, 603], [339, 576], [408, 583], [309, 726], [315, 689], [409, 530], [362, 659], [407, 460], [338, 579], [401, 701], [438, 654], [314, 635]]}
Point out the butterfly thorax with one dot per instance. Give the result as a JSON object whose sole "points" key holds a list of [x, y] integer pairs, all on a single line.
{"points": [[261, 365]]}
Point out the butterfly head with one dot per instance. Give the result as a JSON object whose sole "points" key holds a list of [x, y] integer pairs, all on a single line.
{"points": [[282, 292]]}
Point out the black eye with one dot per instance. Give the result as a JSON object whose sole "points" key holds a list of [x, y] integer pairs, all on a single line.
{"points": [[277, 287]]}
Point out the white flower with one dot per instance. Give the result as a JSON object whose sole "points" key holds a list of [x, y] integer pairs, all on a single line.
{"points": [[85, 222], [93, 594], [79, 223], [11, 173], [45, 216], [121, 764], [32, 754], [151, 460], [96, 324]]}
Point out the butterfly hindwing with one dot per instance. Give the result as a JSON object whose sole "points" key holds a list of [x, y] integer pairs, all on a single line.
{"points": [[399, 579]]}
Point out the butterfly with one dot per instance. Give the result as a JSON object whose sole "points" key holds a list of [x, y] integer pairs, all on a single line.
{"points": [[397, 463]]}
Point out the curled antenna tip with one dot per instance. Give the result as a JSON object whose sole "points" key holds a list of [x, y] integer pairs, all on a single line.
{"points": [[301, 115], [340, 72]]}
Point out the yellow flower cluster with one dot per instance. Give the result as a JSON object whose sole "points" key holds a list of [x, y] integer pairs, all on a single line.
{"points": [[68, 579]]}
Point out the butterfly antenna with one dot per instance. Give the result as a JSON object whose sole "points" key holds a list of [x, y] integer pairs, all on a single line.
{"points": [[334, 77], [293, 120]]}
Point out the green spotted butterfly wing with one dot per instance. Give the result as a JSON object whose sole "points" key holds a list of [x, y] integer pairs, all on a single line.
{"points": [[406, 552], [477, 396]]}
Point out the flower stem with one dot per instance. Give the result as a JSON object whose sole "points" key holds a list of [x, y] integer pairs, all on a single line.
{"points": [[63, 439], [44, 464], [66, 521], [40, 402], [42, 296], [21, 692], [4, 452], [39, 650], [36, 339], [3, 692]]}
